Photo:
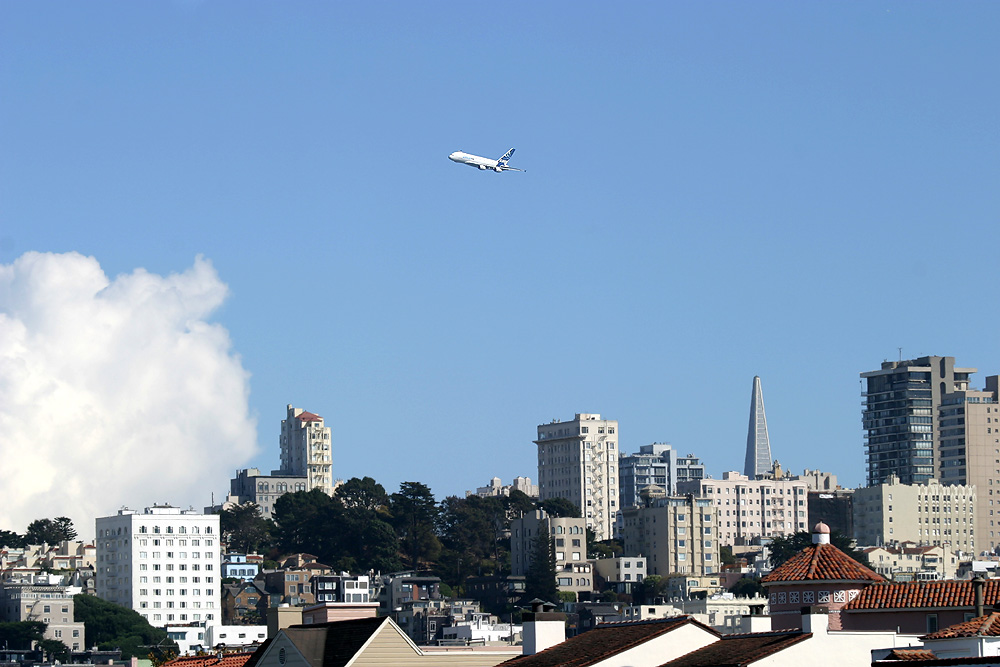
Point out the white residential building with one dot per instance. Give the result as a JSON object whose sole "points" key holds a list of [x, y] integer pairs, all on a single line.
{"points": [[578, 461], [306, 449], [751, 508], [163, 562]]}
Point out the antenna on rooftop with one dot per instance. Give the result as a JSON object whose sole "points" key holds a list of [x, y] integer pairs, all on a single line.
{"points": [[900, 353]]}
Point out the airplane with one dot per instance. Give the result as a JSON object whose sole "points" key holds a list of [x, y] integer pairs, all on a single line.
{"points": [[484, 163]]}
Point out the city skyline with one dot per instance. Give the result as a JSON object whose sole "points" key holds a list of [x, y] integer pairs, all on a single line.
{"points": [[264, 214]]}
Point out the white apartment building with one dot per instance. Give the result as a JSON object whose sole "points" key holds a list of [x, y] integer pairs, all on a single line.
{"points": [[305, 449], [578, 460], [162, 562], [932, 513], [751, 508]]}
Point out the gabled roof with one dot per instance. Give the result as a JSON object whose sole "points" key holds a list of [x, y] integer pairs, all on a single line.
{"points": [[308, 417], [333, 644], [923, 594], [228, 660], [983, 626], [605, 640], [739, 650], [821, 562]]}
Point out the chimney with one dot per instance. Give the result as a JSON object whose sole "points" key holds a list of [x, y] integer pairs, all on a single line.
{"points": [[821, 533], [542, 627], [815, 620], [755, 623], [978, 584]]}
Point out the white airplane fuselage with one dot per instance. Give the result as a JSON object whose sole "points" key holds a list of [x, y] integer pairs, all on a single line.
{"points": [[475, 161]]}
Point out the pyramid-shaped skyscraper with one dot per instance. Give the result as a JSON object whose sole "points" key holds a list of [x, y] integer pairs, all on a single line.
{"points": [[758, 461]]}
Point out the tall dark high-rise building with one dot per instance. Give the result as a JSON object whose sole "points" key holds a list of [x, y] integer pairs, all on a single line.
{"points": [[758, 460], [900, 416]]}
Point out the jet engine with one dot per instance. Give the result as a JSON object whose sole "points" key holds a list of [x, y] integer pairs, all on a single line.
{"points": [[482, 167], [498, 169]]}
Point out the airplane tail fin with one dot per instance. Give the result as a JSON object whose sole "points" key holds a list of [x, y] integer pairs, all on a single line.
{"points": [[506, 158]]}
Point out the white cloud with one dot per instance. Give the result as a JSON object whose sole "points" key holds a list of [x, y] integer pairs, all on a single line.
{"points": [[114, 392]]}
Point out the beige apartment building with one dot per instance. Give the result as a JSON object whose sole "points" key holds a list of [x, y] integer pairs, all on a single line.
{"points": [[752, 508], [969, 432], [677, 535], [911, 562], [574, 572], [306, 449], [48, 604], [932, 513], [578, 460]]}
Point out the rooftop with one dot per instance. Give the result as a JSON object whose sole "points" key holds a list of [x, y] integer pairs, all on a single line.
{"points": [[822, 562]]}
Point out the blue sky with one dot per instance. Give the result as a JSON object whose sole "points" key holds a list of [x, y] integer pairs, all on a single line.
{"points": [[713, 191]]}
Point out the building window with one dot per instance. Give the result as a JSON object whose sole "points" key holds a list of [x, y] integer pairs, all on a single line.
{"points": [[932, 623]]}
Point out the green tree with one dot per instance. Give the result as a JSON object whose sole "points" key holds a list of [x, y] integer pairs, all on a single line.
{"points": [[303, 520], [726, 555], [517, 504], [370, 541], [109, 625], [560, 507], [9, 538], [20, 635], [540, 578], [414, 514], [652, 587], [748, 587], [50, 531], [364, 493], [245, 529], [54, 650], [784, 547]]}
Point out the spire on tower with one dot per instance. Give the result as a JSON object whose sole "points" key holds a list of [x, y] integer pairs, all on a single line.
{"points": [[758, 460]]}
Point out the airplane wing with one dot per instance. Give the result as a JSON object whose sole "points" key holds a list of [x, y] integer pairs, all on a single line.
{"points": [[506, 168]]}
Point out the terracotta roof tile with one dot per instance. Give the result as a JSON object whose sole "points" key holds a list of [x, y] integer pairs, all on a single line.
{"points": [[983, 626], [598, 644], [910, 654], [228, 660], [923, 594], [308, 417], [821, 562], [738, 650]]}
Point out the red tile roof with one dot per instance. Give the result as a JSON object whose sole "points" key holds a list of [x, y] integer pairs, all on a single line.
{"points": [[604, 641], [228, 660], [910, 654], [309, 417], [984, 626], [923, 594], [738, 650], [821, 562]]}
